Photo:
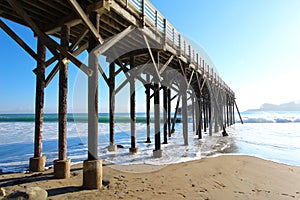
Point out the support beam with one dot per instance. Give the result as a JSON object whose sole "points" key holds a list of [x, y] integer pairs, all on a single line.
{"points": [[175, 114], [133, 75], [17, 39], [237, 109], [60, 62], [53, 73], [112, 98], [147, 86], [103, 74], [86, 20], [133, 148], [50, 43], [108, 44], [166, 65], [154, 60], [37, 163], [79, 39], [92, 167]]}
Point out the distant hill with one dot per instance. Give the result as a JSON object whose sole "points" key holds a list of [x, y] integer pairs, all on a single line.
{"points": [[292, 106]]}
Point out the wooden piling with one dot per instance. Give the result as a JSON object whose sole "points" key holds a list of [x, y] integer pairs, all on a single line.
{"points": [[147, 86], [92, 167], [62, 165], [169, 111], [63, 94], [133, 148], [37, 163], [193, 112], [204, 105], [93, 93], [112, 98], [157, 150], [184, 114], [199, 119], [165, 111]]}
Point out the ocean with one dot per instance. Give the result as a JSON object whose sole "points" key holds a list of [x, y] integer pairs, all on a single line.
{"points": [[273, 136]]}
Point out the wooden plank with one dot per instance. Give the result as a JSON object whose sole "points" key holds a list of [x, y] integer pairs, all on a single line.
{"points": [[124, 13], [70, 20], [17, 39], [86, 20], [50, 43], [100, 7]]}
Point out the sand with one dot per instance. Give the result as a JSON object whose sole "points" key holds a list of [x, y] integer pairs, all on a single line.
{"points": [[224, 177]]}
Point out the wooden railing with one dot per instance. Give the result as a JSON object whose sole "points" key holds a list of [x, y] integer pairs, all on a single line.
{"points": [[151, 17]]}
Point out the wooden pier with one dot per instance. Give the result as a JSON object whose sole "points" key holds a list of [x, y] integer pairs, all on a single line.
{"points": [[136, 40]]}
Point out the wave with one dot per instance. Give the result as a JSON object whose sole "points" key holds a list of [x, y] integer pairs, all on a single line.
{"points": [[270, 117], [81, 118]]}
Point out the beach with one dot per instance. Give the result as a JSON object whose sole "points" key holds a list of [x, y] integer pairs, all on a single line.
{"points": [[222, 177]]}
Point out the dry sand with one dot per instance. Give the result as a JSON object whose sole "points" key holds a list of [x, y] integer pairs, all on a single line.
{"points": [[224, 177]]}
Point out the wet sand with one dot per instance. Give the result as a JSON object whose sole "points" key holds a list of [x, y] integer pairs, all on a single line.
{"points": [[224, 177]]}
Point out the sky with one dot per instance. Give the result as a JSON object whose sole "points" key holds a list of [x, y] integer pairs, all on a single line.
{"points": [[254, 44]]}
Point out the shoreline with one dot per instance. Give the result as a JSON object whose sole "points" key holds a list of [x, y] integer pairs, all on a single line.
{"points": [[221, 177]]}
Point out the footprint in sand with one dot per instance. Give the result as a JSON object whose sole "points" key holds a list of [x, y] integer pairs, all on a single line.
{"points": [[284, 194]]}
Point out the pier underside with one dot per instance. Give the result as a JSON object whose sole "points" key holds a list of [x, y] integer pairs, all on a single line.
{"points": [[136, 41]]}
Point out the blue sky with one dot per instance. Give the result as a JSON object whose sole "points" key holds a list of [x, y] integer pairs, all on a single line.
{"points": [[254, 44]]}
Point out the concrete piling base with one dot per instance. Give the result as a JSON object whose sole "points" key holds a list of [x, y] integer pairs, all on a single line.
{"points": [[133, 150], [37, 164], [62, 168], [92, 174], [112, 148], [157, 153]]}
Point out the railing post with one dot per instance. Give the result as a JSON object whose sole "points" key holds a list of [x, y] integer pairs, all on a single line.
{"points": [[180, 41], [165, 31], [173, 37], [184, 47], [197, 57], [190, 53], [156, 19], [143, 13]]}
